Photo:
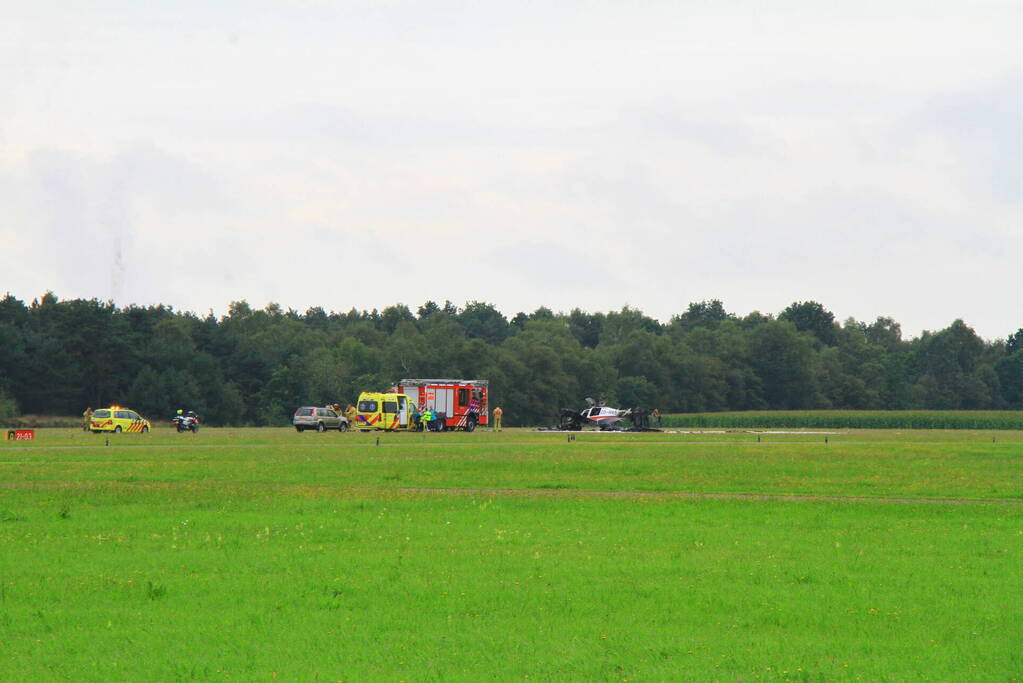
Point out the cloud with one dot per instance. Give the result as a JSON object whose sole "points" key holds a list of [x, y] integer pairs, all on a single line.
{"points": [[86, 213], [983, 126], [586, 155], [713, 128], [551, 268]]}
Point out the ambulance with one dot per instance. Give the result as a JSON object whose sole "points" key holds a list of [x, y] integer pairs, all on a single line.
{"points": [[389, 411], [463, 403]]}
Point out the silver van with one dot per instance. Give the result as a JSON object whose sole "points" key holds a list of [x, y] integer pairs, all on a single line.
{"points": [[320, 419]]}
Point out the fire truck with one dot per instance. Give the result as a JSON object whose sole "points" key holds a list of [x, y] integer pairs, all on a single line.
{"points": [[462, 402]]}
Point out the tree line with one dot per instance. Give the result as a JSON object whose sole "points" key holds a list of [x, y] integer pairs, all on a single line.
{"points": [[255, 366]]}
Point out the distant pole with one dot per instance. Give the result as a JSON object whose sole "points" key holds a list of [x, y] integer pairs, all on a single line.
{"points": [[378, 441], [758, 438], [825, 440]]}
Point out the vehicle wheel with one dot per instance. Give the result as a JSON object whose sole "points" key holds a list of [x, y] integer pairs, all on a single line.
{"points": [[343, 427], [180, 429], [145, 428], [195, 429], [117, 429], [470, 424], [319, 427], [298, 429]]}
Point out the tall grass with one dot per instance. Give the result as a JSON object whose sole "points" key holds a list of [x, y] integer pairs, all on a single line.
{"points": [[37, 421], [852, 419]]}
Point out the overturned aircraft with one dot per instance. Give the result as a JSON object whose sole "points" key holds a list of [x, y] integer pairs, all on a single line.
{"points": [[605, 418]]}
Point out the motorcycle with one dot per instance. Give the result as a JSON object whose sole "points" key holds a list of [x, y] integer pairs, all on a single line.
{"points": [[186, 423]]}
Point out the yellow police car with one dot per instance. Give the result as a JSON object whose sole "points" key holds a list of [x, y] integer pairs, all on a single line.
{"points": [[117, 419]]}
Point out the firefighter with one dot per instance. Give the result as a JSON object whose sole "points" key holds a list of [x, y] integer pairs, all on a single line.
{"points": [[498, 414], [352, 415], [87, 419], [427, 418]]}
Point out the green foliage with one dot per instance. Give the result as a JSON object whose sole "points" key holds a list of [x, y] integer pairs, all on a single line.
{"points": [[884, 333], [155, 591], [702, 314], [1010, 376], [1014, 343], [782, 359], [8, 407], [483, 321], [255, 366], [637, 391], [812, 317]]}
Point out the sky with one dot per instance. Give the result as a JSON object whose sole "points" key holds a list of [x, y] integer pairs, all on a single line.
{"points": [[865, 155]]}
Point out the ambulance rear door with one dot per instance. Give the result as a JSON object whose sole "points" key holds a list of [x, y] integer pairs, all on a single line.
{"points": [[403, 411], [415, 396]]}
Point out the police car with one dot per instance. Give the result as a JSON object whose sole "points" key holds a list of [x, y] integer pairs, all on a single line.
{"points": [[117, 419]]}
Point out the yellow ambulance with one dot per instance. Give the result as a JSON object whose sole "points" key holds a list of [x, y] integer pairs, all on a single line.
{"points": [[388, 411]]}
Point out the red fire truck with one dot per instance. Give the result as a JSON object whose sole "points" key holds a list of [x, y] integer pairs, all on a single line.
{"points": [[463, 402]]}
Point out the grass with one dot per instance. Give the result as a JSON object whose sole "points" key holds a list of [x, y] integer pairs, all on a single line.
{"points": [[263, 555]]}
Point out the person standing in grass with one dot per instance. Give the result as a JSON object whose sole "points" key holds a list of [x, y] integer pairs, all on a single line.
{"points": [[87, 419], [498, 414]]}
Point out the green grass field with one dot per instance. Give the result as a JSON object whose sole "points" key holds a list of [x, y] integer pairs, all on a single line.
{"points": [[263, 554]]}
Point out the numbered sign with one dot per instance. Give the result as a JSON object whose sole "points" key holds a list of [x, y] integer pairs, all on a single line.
{"points": [[21, 434]]}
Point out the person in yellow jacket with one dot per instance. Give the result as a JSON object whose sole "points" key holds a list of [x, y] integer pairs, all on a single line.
{"points": [[426, 419], [352, 415], [498, 414], [87, 419]]}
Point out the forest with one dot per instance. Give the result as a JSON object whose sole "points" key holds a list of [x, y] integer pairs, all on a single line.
{"points": [[255, 366]]}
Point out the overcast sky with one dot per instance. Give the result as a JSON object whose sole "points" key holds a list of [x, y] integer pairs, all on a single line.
{"points": [[866, 155]]}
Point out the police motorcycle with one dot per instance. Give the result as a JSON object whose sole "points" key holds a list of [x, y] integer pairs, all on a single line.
{"points": [[186, 421]]}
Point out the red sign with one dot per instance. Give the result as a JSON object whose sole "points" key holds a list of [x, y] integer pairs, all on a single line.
{"points": [[429, 396], [21, 434]]}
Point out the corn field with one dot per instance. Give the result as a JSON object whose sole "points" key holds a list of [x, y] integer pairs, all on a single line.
{"points": [[851, 419]]}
